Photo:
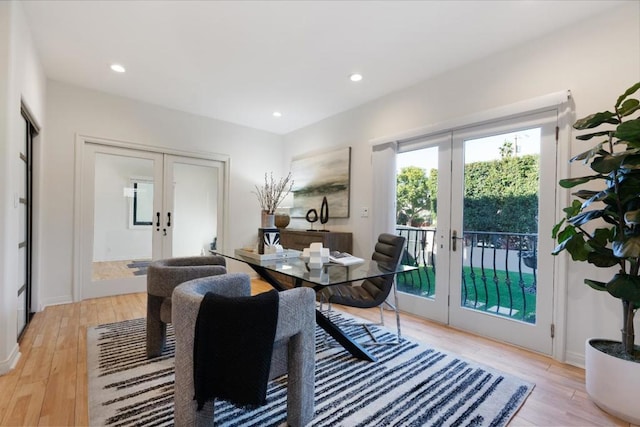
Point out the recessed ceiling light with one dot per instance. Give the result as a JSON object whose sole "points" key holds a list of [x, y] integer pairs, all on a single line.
{"points": [[355, 77], [117, 68], [277, 114]]}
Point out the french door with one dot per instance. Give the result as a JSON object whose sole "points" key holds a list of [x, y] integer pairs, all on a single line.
{"points": [[480, 236], [138, 206]]}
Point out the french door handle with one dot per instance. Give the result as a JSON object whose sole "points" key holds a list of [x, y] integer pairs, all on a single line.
{"points": [[454, 240], [158, 221], [168, 219]]}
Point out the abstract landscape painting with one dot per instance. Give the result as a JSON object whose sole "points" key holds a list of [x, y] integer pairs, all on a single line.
{"points": [[318, 175]]}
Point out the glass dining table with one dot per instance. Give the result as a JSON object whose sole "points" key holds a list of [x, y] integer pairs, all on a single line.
{"points": [[290, 265]]}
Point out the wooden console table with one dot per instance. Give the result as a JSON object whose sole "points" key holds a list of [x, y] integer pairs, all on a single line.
{"points": [[300, 239]]}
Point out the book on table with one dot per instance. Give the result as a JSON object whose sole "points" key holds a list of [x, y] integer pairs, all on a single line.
{"points": [[344, 258]]}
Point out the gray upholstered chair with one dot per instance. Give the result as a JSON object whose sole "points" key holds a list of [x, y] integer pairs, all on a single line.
{"points": [[162, 277], [293, 351], [372, 292]]}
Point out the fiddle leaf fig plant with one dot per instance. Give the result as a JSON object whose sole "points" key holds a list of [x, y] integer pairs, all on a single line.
{"points": [[602, 224]]}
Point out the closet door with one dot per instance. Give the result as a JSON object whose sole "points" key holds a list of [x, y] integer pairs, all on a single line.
{"points": [[25, 229]]}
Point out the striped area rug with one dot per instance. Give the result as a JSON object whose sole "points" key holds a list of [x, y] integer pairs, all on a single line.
{"points": [[410, 385]]}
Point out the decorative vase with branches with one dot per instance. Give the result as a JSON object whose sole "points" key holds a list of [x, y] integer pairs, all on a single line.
{"points": [[273, 192]]}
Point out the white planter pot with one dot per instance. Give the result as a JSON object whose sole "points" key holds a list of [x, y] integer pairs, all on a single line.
{"points": [[612, 383]]}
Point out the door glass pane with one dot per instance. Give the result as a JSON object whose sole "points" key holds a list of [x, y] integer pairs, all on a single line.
{"points": [[194, 216], [122, 243], [417, 219], [500, 211]]}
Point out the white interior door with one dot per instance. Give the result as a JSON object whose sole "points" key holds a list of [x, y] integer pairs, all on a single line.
{"points": [[193, 202], [138, 206], [483, 267], [121, 201]]}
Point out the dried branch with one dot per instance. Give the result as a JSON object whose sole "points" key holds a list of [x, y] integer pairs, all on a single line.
{"points": [[272, 193]]}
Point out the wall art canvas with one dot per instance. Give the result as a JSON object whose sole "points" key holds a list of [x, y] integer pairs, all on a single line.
{"points": [[319, 175]]}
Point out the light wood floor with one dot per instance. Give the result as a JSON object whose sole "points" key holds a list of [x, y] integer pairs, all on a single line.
{"points": [[49, 385]]}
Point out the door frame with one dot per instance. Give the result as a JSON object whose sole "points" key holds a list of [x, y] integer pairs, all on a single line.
{"points": [[31, 133], [562, 101], [444, 305], [80, 144]]}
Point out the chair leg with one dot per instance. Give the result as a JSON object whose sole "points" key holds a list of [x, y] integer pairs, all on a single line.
{"points": [[156, 328], [397, 313], [397, 310]]}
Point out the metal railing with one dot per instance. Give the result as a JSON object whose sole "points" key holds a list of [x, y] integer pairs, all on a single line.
{"points": [[499, 273]]}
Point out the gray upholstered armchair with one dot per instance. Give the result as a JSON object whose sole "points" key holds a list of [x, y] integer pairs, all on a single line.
{"points": [[162, 277], [293, 351]]}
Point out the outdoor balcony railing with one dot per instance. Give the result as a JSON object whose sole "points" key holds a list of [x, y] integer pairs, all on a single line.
{"points": [[499, 270]]}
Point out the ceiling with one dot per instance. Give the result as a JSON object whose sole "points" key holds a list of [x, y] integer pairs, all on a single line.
{"points": [[240, 61]]}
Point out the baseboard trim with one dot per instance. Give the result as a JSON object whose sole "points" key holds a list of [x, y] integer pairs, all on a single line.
{"points": [[575, 359], [46, 302], [10, 363]]}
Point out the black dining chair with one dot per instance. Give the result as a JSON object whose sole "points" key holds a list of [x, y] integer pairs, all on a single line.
{"points": [[372, 292]]}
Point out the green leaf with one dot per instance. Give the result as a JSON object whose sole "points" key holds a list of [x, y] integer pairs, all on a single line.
{"points": [[556, 228], [599, 286], [595, 120], [584, 217], [572, 210], [606, 164], [572, 182], [585, 194], [632, 217], [600, 196], [576, 246], [629, 131], [631, 162], [588, 136], [601, 237], [568, 231], [587, 155], [625, 287], [601, 260], [629, 248], [629, 107], [628, 92]]}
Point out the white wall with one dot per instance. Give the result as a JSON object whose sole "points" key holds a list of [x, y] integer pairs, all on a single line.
{"points": [[72, 110], [21, 78], [597, 60]]}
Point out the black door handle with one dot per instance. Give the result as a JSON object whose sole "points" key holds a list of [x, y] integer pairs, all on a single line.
{"points": [[158, 221], [168, 219]]}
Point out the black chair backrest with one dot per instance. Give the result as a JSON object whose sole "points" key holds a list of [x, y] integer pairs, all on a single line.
{"points": [[388, 252]]}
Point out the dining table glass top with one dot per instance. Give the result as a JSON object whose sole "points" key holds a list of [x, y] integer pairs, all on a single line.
{"points": [[292, 264]]}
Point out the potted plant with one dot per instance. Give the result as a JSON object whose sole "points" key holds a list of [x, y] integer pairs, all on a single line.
{"points": [[602, 227]]}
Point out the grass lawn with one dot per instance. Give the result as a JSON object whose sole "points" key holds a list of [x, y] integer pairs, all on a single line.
{"points": [[491, 294]]}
